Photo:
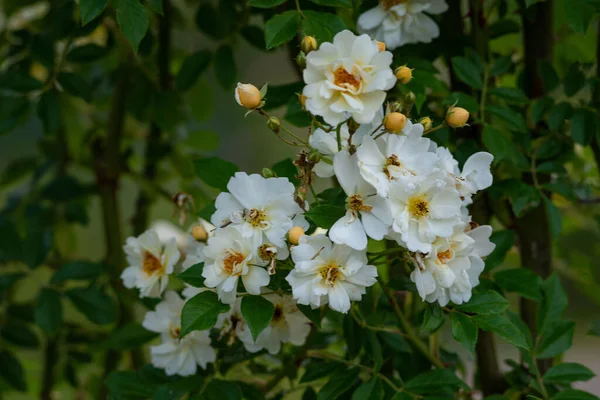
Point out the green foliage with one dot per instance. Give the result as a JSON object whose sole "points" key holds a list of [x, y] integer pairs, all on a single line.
{"points": [[94, 303], [339, 383], [502, 326], [520, 280], [567, 372], [281, 28], [49, 312], [133, 21], [325, 215], [193, 275], [484, 302], [464, 331], [257, 312], [215, 172], [201, 312]]}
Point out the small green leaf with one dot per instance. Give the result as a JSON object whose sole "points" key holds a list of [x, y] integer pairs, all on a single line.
{"points": [[574, 81], [555, 339], [433, 318], [464, 331], [156, 6], [20, 334], [371, 390], [540, 107], [334, 3], [510, 95], [497, 143], [504, 241], [78, 270], [322, 26], [258, 313], [7, 280], [215, 171], [48, 311], [554, 302], [191, 69], [314, 315], [222, 390], [467, 72], [193, 275], [94, 303], [281, 28], [320, 370], [49, 111], [575, 394], [286, 169], [520, 280], [130, 385], [133, 21], [503, 326], [511, 119], [437, 381], [225, 67], [90, 9], [75, 85], [325, 215], [568, 372], [201, 312], [127, 337], [338, 384], [501, 65], [560, 113], [484, 302], [554, 217], [579, 14], [584, 124], [265, 3], [12, 371], [255, 36], [462, 100]]}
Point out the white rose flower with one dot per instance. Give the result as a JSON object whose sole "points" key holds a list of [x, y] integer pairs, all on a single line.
{"points": [[230, 256], [367, 214], [400, 22], [194, 252], [424, 211], [347, 78], [329, 273], [259, 207], [288, 325], [150, 263], [326, 144], [393, 157], [475, 175], [177, 356]]}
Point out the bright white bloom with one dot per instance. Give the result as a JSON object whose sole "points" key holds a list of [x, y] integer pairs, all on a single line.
{"points": [[347, 78], [329, 273], [194, 252], [288, 325], [475, 175], [150, 263], [261, 208], [394, 157], [326, 144], [230, 256], [400, 22], [451, 270], [366, 214], [177, 356], [425, 211]]}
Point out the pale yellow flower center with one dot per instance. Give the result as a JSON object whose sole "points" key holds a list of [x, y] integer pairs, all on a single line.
{"points": [[355, 203], [418, 206], [256, 218], [331, 273], [152, 265], [387, 4], [391, 161], [232, 261], [345, 79]]}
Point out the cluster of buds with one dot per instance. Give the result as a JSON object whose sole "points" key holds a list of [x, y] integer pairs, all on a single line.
{"points": [[307, 45]]}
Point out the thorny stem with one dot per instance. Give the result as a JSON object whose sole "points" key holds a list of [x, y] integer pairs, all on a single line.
{"points": [[406, 326]]}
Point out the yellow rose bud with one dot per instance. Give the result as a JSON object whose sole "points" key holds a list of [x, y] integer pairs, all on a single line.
{"points": [[394, 122], [295, 234], [274, 124], [457, 117], [247, 95], [426, 122], [403, 74], [199, 233], [308, 44], [380, 46]]}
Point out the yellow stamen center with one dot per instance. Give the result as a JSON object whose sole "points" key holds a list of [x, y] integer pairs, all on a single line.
{"points": [[387, 4], [278, 314], [444, 256], [267, 251], [355, 203], [331, 273], [152, 265], [256, 217], [232, 261], [418, 206], [345, 79], [391, 161], [174, 332]]}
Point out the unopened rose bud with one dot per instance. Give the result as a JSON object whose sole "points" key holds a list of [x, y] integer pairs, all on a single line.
{"points": [[394, 122], [457, 117], [353, 126], [380, 46], [247, 95], [301, 60], [274, 124], [426, 122], [302, 99], [410, 97], [308, 44], [268, 173], [199, 233], [295, 234], [314, 157], [403, 74]]}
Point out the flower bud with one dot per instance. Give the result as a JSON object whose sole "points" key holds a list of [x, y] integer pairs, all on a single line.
{"points": [[457, 117], [199, 233], [403, 74], [302, 99], [247, 95], [353, 126], [274, 124], [301, 60], [314, 156], [295, 234], [426, 122], [394, 122], [268, 173], [380, 46], [308, 44]]}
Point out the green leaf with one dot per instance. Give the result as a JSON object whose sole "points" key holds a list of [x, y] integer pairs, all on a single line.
{"points": [[433, 318], [373, 348], [371, 390], [568, 372], [555, 339], [395, 342], [554, 217], [520, 280], [510, 95], [325, 215], [320, 370], [501, 66], [87, 53], [48, 311], [287, 169], [281, 28], [504, 27], [7, 280], [554, 302], [90, 9], [96, 305], [258, 313], [156, 6], [222, 390], [484, 302], [12, 371], [560, 113], [265, 3], [464, 331], [133, 21], [462, 100], [191, 69], [334, 3], [504, 327], [584, 124], [193, 275], [225, 67], [128, 336], [322, 26], [280, 95], [78, 270], [504, 241], [574, 394], [201, 312], [467, 72], [75, 85], [130, 385], [314, 315], [540, 107], [18, 81], [20, 334], [338, 384], [497, 143], [215, 171], [437, 381], [511, 119], [549, 75], [574, 81], [49, 112], [579, 14]]}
